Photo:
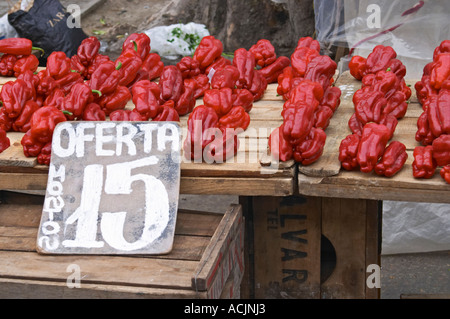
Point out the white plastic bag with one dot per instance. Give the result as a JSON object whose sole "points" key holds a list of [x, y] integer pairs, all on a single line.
{"points": [[176, 40], [6, 30]]}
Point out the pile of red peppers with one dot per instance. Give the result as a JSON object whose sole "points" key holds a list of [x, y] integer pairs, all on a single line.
{"points": [[433, 125], [310, 102], [381, 101]]}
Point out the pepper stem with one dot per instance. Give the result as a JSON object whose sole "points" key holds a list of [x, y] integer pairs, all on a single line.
{"points": [[119, 65], [67, 112], [98, 92], [135, 45], [40, 49]]}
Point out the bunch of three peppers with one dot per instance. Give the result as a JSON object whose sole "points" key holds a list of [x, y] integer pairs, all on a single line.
{"points": [[433, 125], [379, 104], [310, 102], [17, 56]]}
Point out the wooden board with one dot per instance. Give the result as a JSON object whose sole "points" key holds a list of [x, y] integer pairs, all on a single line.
{"points": [[250, 172], [199, 237], [326, 178]]}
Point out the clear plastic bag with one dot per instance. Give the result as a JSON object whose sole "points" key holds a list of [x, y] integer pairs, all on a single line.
{"points": [[413, 28]]}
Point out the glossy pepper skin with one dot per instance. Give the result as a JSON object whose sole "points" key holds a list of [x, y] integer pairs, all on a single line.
{"points": [[186, 102], [393, 159], [441, 150], [440, 71], [309, 43], [5, 121], [218, 63], [236, 118], [264, 53], [58, 65], [188, 67], [311, 148], [298, 122], [322, 116], [208, 50], [286, 81], [438, 112], [357, 67], [321, 69], [22, 122], [93, 112], [31, 148], [424, 165], [5, 142], [379, 58], [348, 150], [129, 62], [244, 98], [445, 173], [280, 148], [220, 100], [87, 50], [139, 42], [224, 145], [272, 71], [202, 123], [105, 78], [44, 155], [153, 65], [75, 102], [7, 62], [127, 115], [14, 95], [225, 77], [168, 113], [300, 59], [29, 62], [16, 46], [423, 133], [373, 142], [244, 61], [368, 105], [331, 98], [116, 100], [171, 83], [43, 123], [145, 96], [67, 81]]}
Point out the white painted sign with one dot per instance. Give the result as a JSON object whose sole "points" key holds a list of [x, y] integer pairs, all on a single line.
{"points": [[112, 188]]}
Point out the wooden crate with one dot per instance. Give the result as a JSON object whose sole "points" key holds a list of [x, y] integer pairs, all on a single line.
{"points": [[310, 247], [206, 260]]}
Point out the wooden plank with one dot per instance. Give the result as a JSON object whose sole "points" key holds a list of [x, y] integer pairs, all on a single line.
{"points": [[286, 239], [344, 224], [374, 214]]}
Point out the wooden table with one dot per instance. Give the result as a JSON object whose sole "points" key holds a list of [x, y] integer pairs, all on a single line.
{"points": [[311, 232]]}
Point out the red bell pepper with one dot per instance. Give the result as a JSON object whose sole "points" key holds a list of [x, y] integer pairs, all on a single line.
{"points": [[373, 142], [244, 61], [6, 122], [236, 118], [424, 89], [357, 67], [287, 81], [445, 173], [66, 82], [396, 105], [43, 123], [188, 67], [379, 58], [225, 77], [390, 121], [87, 50], [58, 65], [186, 102], [46, 85], [438, 109], [153, 65], [355, 125], [145, 96], [55, 98], [31, 148], [264, 53], [116, 100], [244, 98], [5, 142], [200, 84], [208, 50], [444, 47], [22, 122], [29, 62], [272, 71], [348, 150], [368, 105], [308, 92], [301, 58], [218, 64], [321, 69], [441, 150], [322, 116], [202, 123], [423, 133], [105, 78], [139, 42], [424, 165], [279, 147], [14, 95], [44, 155], [331, 98], [93, 112], [127, 115], [7, 62], [96, 62], [298, 122], [258, 86], [311, 148], [17, 46], [171, 83], [224, 146], [79, 97], [129, 62], [220, 100], [440, 71], [309, 43], [393, 159], [168, 113], [78, 66]]}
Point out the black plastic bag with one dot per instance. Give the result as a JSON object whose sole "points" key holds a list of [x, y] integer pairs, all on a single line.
{"points": [[45, 24]]}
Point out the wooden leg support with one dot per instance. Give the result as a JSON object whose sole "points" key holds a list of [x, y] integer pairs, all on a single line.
{"points": [[310, 247]]}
